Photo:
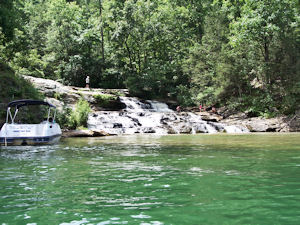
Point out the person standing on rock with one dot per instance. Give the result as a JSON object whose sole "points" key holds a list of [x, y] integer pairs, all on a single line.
{"points": [[178, 109], [213, 109], [200, 108], [87, 82]]}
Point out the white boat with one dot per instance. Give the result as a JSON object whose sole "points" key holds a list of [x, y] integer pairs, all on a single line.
{"points": [[46, 132]]}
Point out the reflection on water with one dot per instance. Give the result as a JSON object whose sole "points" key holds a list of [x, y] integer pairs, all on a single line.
{"points": [[200, 179]]}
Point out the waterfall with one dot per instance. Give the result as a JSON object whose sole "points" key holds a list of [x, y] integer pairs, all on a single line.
{"points": [[159, 106], [134, 105], [153, 117]]}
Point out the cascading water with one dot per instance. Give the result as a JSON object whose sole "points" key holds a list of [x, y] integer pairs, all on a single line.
{"points": [[153, 117], [159, 107], [134, 105]]}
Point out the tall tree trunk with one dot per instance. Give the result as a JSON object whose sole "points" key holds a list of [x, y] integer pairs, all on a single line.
{"points": [[129, 56], [267, 60], [101, 31]]}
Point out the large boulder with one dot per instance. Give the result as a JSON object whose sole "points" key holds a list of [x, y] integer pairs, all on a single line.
{"points": [[210, 116], [84, 133], [53, 89], [259, 124], [293, 122]]}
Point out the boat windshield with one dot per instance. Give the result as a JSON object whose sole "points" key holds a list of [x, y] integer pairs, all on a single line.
{"points": [[30, 112]]}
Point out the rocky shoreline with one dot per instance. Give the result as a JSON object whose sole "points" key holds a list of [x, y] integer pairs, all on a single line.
{"points": [[66, 97], [259, 124]]}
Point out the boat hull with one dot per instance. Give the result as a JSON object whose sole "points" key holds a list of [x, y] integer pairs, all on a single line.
{"points": [[30, 140], [30, 134]]}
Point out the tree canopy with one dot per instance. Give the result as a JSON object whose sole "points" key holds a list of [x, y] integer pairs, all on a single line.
{"points": [[240, 53]]}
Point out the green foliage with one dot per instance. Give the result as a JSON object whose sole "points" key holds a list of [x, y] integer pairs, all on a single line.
{"points": [[14, 87], [104, 100], [62, 118], [184, 97], [8, 17], [208, 52], [243, 42], [117, 93], [79, 116], [57, 96], [152, 39], [70, 118], [262, 105]]}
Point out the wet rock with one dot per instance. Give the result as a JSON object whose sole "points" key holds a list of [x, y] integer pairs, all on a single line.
{"points": [[210, 117], [200, 128], [84, 133], [183, 128], [100, 133], [171, 130], [218, 126], [117, 125], [148, 130], [168, 117]]}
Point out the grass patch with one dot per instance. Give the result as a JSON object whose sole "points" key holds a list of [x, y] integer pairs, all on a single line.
{"points": [[104, 100]]}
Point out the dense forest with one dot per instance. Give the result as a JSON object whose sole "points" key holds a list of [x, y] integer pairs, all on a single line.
{"points": [[243, 54]]}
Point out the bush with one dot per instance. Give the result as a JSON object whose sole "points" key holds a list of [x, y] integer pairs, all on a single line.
{"points": [[79, 116], [104, 99], [62, 118]]}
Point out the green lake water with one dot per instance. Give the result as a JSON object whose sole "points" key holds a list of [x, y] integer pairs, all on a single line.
{"points": [[179, 179]]}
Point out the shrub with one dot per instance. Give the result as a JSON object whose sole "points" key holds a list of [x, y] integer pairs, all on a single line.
{"points": [[62, 118], [104, 99], [79, 116]]}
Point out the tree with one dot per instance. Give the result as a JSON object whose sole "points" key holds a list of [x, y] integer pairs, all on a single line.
{"points": [[7, 18], [265, 36], [264, 27]]}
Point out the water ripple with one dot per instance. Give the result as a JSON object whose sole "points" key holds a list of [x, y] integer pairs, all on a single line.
{"points": [[152, 181]]}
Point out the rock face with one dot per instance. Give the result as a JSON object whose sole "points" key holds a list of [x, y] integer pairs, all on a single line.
{"points": [[66, 96], [210, 117], [125, 115], [258, 124], [293, 122]]}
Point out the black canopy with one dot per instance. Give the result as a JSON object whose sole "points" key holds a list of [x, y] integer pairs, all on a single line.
{"points": [[25, 102]]}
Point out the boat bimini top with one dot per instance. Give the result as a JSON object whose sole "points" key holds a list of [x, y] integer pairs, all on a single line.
{"points": [[20, 103], [46, 132]]}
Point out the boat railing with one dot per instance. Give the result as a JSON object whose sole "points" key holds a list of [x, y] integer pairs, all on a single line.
{"points": [[12, 116]]}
